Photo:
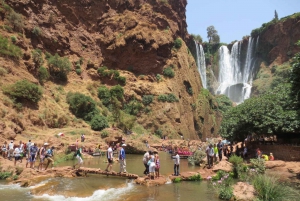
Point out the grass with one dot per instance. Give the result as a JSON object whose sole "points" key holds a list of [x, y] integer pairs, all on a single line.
{"points": [[9, 49]]}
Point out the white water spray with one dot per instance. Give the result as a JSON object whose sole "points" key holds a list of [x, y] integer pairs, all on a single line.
{"points": [[201, 63]]}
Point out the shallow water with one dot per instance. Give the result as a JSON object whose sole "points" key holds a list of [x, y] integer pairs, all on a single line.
{"points": [[97, 187]]}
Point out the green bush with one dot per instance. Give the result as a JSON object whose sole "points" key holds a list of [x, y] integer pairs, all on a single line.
{"points": [[158, 77], [167, 98], [197, 157], [168, 72], [147, 99], [268, 188], [43, 74], [37, 31], [13, 39], [3, 71], [159, 132], [104, 95], [196, 177], [37, 57], [133, 107], [117, 91], [190, 91], [162, 98], [9, 49], [5, 175], [16, 20], [81, 106], [177, 43], [219, 175], [78, 71], [121, 80], [236, 160], [99, 123], [59, 67], [24, 90], [104, 134], [226, 193], [258, 165], [177, 180]]}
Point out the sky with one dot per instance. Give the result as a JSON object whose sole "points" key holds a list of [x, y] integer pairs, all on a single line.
{"points": [[234, 19]]}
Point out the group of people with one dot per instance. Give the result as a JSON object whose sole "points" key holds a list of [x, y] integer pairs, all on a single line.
{"points": [[30, 151], [121, 158], [152, 164], [259, 154], [215, 151]]}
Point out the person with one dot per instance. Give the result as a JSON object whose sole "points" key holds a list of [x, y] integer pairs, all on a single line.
{"points": [[157, 165], [176, 164], [271, 158], [79, 158], [145, 162], [32, 154], [225, 150], [258, 153], [109, 158], [122, 159], [216, 151], [17, 154], [50, 157], [220, 149], [207, 155], [82, 137], [10, 150], [42, 153], [211, 156], [245, 152], [4, 150], [152, 166], [21, 149], [266, 157], [27, 154]]}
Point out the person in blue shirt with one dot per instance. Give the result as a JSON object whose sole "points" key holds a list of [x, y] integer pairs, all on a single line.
{"points": [[49, 156], [122, 160]]}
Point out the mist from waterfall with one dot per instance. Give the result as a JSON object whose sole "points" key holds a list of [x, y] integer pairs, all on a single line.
{"points": [[235, 79], [201, 63]]}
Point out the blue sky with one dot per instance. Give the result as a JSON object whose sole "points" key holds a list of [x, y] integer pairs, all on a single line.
{"points": [[234, 19]]}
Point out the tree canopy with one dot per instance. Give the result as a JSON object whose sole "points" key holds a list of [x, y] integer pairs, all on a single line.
{"points": [[212, 35]]}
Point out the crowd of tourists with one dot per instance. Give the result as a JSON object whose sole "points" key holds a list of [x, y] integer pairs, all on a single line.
{"points": [[31, 152]]}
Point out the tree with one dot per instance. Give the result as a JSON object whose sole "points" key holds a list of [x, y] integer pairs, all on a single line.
{"points": [[295, 75], [197, 38], [212, 34], [276, 16]]}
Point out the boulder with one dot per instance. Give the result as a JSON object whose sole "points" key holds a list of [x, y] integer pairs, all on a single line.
{"points": [[243, 191], [274, 164], [223, 165], [9, 134]]}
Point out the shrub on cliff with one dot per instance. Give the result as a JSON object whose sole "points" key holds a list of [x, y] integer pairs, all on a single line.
{"points": [[24, 90], [59, 67], [37, 57], [81, 106], [147, 99], [133, 107], [16, 20], [9, 49], [104, 95], [168, 72], [177, 43], [167, 98], [117, 91], [99, 123], [43, 74]]}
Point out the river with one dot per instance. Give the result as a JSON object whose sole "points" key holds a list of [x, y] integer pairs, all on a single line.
{"points": [[96, 187]]}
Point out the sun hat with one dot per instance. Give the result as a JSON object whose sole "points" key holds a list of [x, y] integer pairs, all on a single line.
{"points": [[45, 144], [271, 154], [124, 145]]}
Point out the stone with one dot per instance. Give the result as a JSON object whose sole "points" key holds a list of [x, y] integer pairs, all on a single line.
{"points": [[243, 191], [274, 164], [223, 165]]}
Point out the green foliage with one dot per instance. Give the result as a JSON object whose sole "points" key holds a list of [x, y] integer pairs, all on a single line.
{"points": [[105, 72], [78, 71], [224, 103], [212, 35], [272, 112], [37, 57], [190, 91], [196, 177], [81, 106], [235, 160], [43, 74], [9, 49], [62, 158], [59, 67], [133, 107], [3, 71], [5, 175], [117, 91], [167, 98], [197, 157], [24, 90], [295, 76], [99, 123], [37, 31], [104, 95], [104, 134], [269, 188], [159, 132], [158, 77], [219, 175], [147, 99], [16, 20], [13, 39], [121, 80], [177, 43], [197, 38], [168, 72], [258, 165], [226, 193], [177, 180]]}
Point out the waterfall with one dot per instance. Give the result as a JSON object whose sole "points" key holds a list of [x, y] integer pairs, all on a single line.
{"points": [[235, 79], [201, 63]]}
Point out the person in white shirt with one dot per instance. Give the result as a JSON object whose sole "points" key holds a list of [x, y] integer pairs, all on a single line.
{"points": [[10, 150], [176, 164], [109, 158], [210, 156], [145, 162], [17, 154]]}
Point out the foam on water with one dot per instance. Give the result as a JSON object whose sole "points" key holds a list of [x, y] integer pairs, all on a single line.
{"points": [[105, 195]]}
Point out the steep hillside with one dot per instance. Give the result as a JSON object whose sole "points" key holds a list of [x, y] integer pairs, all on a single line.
{"points": [[142, 41]]}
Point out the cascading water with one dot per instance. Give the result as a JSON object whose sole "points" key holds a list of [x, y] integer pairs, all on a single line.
{"points": [[235, 79], [201, 63]]}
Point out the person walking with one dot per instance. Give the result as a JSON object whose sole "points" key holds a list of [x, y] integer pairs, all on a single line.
{"points": [[32, 154], [42, 153], [145, 162], [122, 159], [220, 149], [210, 156], [79, 158], [82, 137], [17, 154], [50, 157], [10, 150], [215, 152], [4, 150], [109, 156], [176, 164]]}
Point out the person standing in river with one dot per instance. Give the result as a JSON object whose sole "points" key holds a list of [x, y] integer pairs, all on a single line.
{"points": [[109, 156], [145, 162], [176, 164], [79, 158], [122, 159]]}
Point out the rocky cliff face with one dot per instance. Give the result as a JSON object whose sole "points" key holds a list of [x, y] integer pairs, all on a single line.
{"points": [[135, 37]]}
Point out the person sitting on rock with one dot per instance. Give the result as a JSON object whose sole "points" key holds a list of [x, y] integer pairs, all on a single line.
{"points": [[271, 157]]}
